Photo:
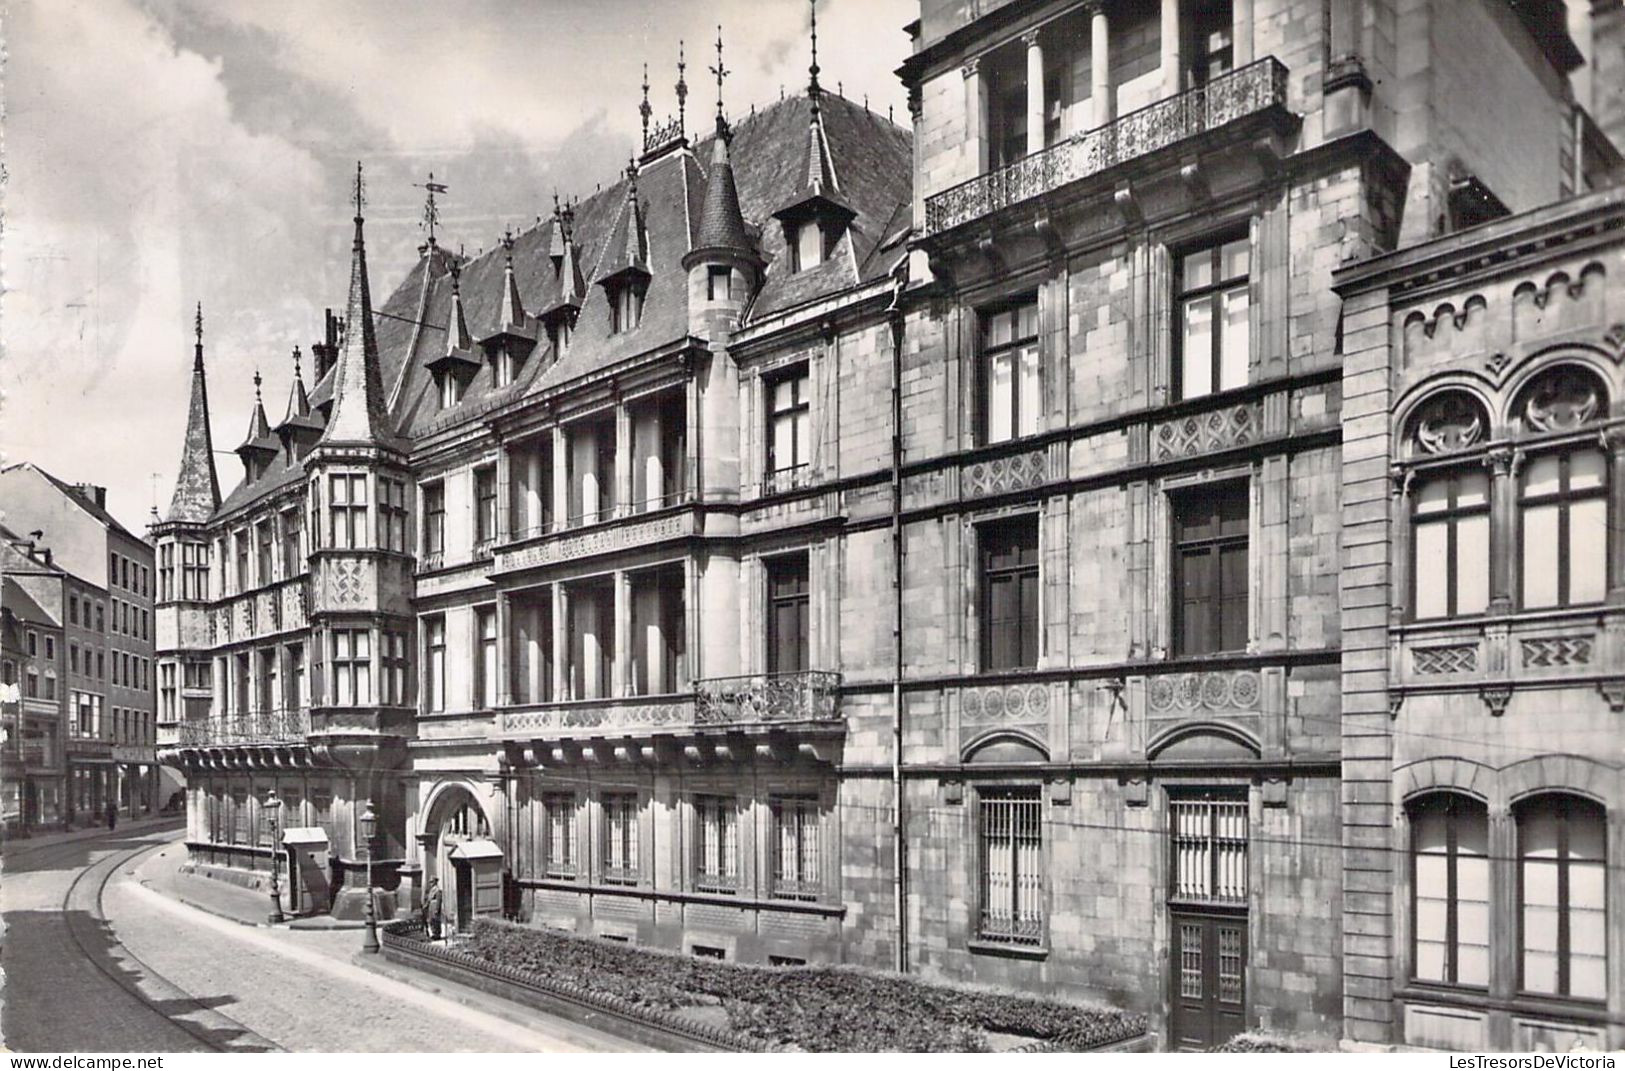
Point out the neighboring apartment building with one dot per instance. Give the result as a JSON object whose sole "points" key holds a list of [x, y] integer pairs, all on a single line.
{"points": [[769, 560], [107, 610], [34, 687]]}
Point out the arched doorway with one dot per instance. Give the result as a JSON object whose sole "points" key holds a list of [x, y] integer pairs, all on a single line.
{"points": [[454, 819]]}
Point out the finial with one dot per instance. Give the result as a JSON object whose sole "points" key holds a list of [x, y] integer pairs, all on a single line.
{"points": [[682, 89], [812, 84], [296, 356], [507, 244], [431, 212], [360, 191], [456, 276], [721, 72], [198, 325], [257, 386], [644, 110]]}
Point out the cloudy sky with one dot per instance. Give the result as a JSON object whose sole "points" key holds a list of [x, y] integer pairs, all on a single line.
{"points": [[164, 152]]}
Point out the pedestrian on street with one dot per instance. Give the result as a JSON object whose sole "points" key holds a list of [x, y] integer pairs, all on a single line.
{"points": [[112, 816], [431, 909]]}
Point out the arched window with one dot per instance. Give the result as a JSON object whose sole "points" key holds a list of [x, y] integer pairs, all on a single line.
{"points": [[1450, 890], [1563, 492], [1562, 904], [1450, 510]]}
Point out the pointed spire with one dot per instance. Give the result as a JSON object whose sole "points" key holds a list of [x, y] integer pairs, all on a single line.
{"points": [[298, 400], [258, 426], [358, 414], [513, 308], [197, 485], [458, 339], [819, 195], [722, 224]]}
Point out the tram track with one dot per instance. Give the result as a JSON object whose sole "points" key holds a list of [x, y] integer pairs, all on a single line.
{"points": [[81, 909]]}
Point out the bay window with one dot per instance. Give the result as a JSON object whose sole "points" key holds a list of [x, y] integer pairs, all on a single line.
{"points": [[347, 496], [352, 667]]}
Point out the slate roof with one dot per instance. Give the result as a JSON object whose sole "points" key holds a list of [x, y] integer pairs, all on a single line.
{"points": [[14, 598], [86, 504], [871, 161]]}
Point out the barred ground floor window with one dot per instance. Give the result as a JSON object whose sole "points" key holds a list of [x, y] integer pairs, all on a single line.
{"points": [[1012, 860]]}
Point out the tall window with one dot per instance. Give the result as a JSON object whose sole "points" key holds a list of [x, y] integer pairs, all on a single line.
{"points": [[1562, 903], [1565, 529], [451, 388], [297, 698], [1451, 519], [626, 307], [485, 624], [293, 557], [1009, 593], [1007, 373], [795, 848], [352, 667], [1450, 877], [787, 607], [789, 427], [348, 501], [264, 532], [620, 860], [194, 571], [434, 663], [559, 813], [1211, 44], [1210, 570], [166, 580], [393, 668], [392, 515], [716, 844], [485, 505], [434, 520], [719, 283], [1212, 302], [240, 543], [1011, 893]]}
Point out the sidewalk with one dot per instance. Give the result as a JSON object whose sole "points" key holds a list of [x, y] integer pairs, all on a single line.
{"points": [[161, 872], [45, 840]]}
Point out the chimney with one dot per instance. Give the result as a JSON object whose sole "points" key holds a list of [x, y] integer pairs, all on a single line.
{"points": [[95, 494], [327, 349]]}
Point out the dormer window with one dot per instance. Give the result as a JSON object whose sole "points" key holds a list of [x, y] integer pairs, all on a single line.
{"points": [[558, 333], [505, 367], [806, 246], [450, 386], [625, 305]]}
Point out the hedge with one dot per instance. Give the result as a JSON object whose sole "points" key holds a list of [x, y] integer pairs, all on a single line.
{"points": [[816, 1009]]}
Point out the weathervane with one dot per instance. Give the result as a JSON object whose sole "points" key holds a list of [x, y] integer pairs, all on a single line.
{"points": [[360, 191], [644, 110], [812, 85], [721, 72], [431, 211], [682, 89]]}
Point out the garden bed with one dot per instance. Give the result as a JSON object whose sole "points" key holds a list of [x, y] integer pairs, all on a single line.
{"points": [[816, 1009], [1262, 1042]]}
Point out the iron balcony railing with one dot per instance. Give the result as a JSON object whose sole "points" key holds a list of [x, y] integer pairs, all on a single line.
{"points": [[254, 727], [1248, 90], [810, 695]]}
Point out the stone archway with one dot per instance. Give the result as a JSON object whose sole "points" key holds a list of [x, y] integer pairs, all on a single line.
{"points": [[454, 817]]}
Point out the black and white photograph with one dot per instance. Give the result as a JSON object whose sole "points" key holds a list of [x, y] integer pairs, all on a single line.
{"points": [[812, 526]]}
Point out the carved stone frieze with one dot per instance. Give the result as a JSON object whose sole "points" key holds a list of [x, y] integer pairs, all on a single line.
{"points": [[594, 541], [1004, 704], [1202, 433], [1450, 658], [1545, 652], [1000, 475], [1214, 690]]}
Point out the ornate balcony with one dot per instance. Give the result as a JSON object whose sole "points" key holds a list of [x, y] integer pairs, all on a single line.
{"points": [[762, 698], [536, 548], [259, 727], [1251, 90]]}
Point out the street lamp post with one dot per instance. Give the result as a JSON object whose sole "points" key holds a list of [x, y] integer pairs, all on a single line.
{"points": [[369, 824], [273, 813]]}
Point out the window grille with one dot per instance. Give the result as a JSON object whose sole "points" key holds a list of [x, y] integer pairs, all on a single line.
{"points": [[620, 863], [559, 809], [716, 842], [795, 848], [1012, 888], [1209, 850]]}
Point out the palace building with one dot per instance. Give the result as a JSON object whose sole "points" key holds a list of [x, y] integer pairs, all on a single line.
{"points": [[1143, 534]]}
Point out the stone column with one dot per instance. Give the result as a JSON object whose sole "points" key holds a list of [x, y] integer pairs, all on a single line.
{"points": [[620, 672], [975, 116], [1400, 546], [623, 465], [1502, 464], [1035, 91], [1241, 30], [534, 489], [561, 645], [1173, 77], [1100, 66], [561, 481]]}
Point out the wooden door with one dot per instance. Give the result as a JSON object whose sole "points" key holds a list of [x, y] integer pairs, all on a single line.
{"points": [[1208, 963]]}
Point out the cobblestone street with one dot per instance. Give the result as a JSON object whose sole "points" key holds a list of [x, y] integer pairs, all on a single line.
{"points": [[144, 973]]}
